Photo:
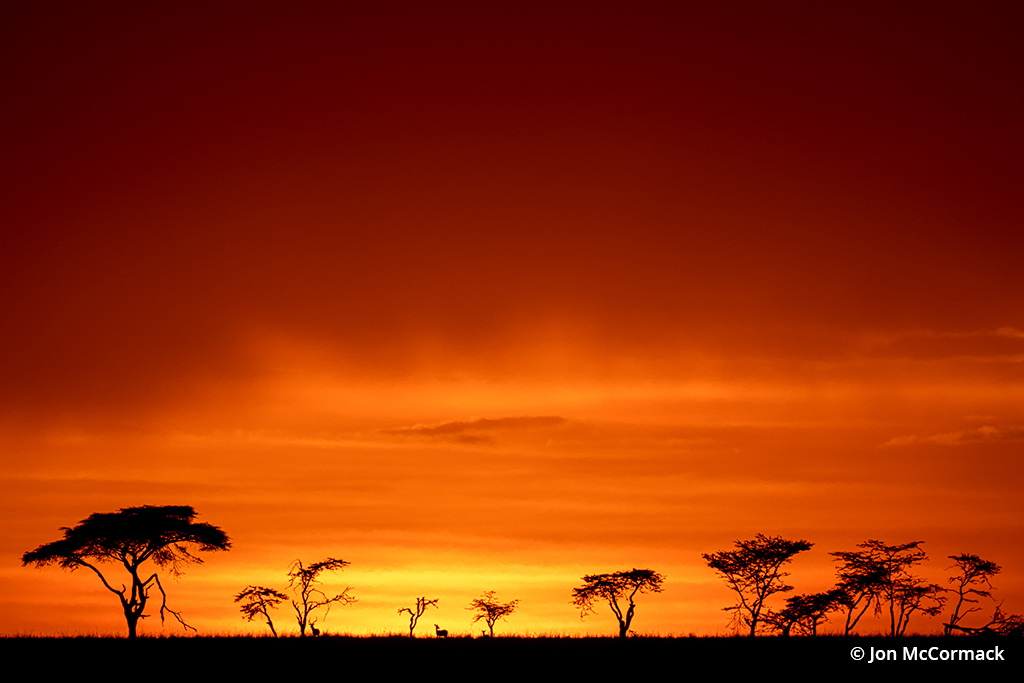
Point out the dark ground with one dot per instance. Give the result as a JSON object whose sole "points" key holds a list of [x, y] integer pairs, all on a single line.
{"points": [[637, 658]]}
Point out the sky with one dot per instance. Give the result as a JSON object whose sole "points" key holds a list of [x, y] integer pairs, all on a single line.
{"points": [[490, 296]]}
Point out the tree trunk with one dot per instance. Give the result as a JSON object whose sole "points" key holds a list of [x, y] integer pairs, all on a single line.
{"points": [[624, 623], [133, 622]]}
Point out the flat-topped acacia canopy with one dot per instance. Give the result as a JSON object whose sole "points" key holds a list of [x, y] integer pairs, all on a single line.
{"points": [[166, 535]]}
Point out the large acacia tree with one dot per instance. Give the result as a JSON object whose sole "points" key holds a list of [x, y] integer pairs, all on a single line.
{"points": [[754, 572], [619, 590], [167, 536]]}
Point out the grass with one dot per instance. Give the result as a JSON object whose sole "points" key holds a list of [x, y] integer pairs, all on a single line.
{"points": [[554, 654]]}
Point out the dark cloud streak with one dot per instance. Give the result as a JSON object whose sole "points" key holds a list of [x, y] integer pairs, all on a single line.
{"points": [[458, 429]]}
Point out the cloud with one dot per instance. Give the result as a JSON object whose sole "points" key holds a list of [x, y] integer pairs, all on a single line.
{"points": [[984, 434], [1009, 332], [1002, 345], [458, 430]]}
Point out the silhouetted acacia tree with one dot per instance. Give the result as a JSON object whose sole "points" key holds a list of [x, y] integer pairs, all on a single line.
{"points": [[258, 601], [804, 613], [754, 572], [968, 584], [490, 610], [915, 595], [904, 592], [421, 608], [304, 581], [165, 535], [616, 587], [861, 578], [888, 567]]}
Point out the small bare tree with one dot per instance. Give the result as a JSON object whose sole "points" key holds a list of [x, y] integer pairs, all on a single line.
{"points": [[258, 601], [490, 610], [612, 588], [304, 581], [421, 608]]}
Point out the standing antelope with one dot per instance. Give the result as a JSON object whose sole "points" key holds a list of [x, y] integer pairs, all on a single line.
{"points": [[441, 633]]}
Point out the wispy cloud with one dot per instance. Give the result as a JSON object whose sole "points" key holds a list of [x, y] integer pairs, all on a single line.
{"points": [[1000, 332], [1010, 332], [984, 434], [999, 345], [463, 431]]}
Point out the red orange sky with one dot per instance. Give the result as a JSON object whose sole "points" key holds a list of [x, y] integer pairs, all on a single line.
{"points": [[490, 296]]}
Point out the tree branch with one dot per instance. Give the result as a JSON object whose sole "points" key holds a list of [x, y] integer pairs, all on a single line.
{"points": [[164, 607]]}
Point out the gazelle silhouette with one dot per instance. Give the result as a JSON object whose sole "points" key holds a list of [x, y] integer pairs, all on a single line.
{"points": [[315, 630], [441, 633]]}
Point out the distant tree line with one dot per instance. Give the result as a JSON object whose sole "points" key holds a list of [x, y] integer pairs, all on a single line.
{"points": [[879, 576]]}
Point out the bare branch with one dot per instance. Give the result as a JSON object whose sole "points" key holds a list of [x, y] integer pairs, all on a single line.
{"points": [[422, 604], [163, 604]]}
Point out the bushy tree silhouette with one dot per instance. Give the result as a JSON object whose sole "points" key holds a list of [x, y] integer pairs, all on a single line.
{"points": [[613, 589], [804, 613], [861, 579], [259, 600], [754, 572], [421, 608], [166, 535], [881, 573], [490, 610], [304, 581]]}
